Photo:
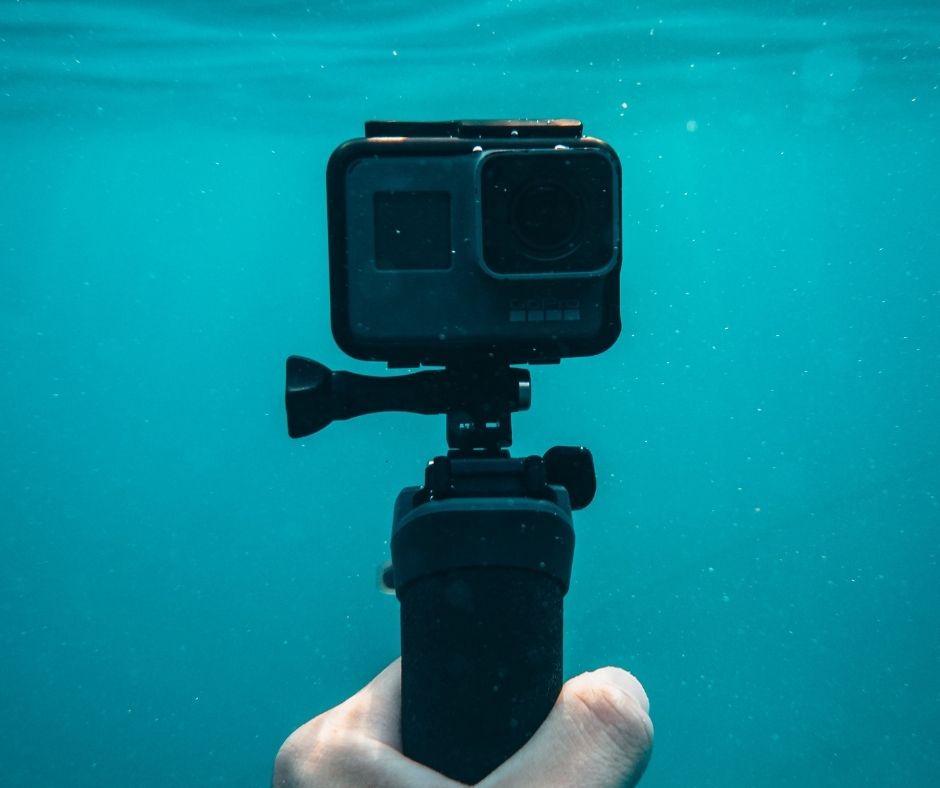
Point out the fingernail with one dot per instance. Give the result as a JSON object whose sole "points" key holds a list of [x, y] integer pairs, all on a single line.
{"points": [[627, 682]]}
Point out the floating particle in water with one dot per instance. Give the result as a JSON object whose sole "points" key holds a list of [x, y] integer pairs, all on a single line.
{"points": [[691, 125]]}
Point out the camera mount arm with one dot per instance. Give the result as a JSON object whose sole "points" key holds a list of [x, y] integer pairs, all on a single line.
{"points": [[478, 400]]}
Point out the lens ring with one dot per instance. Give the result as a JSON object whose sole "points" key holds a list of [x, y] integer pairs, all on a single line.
{"points": [[546, 219]]}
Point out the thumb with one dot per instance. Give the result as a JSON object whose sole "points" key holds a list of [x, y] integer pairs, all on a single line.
{"points": [[598, 735]]}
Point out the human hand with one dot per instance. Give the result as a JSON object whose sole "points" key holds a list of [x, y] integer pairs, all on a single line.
{"points": [[598, 735]]}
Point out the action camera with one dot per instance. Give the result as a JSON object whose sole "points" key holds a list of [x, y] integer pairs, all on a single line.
{"points": [[475, 246], [454, 243]]}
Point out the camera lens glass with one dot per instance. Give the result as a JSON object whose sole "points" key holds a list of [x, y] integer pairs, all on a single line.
{"points": [[548, 213], [546, 218]]}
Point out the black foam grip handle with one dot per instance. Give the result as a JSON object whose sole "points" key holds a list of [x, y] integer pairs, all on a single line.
{"points": [[481, 665]]}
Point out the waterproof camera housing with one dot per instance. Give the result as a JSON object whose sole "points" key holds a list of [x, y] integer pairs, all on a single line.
{"points": [[458, 242]]}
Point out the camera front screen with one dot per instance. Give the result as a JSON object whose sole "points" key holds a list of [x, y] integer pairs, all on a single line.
{"points": [[412, 230]]}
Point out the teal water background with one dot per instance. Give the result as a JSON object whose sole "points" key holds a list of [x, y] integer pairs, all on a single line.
{"points": [[181, 585]]}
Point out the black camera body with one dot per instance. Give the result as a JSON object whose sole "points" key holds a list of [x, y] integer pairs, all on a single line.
{"points": [[459, 242]]}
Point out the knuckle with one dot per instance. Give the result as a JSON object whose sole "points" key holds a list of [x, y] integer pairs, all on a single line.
{"points": [[316, 754], [303, 752], [286, 764]]}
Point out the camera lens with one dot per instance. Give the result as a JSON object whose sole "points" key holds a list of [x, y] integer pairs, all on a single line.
{"points": [[548, 213], [546, 218]]}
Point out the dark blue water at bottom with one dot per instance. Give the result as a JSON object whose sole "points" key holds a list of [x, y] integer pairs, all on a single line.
{"points": [[181, 585]]}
